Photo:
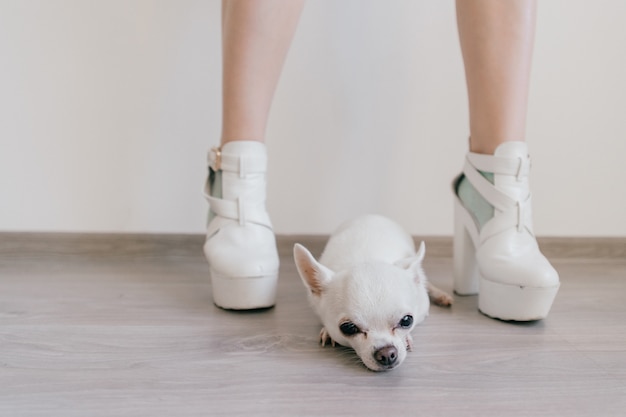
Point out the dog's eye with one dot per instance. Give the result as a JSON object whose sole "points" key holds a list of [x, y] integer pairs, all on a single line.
{"points": [[406, 321], [348, 328]]}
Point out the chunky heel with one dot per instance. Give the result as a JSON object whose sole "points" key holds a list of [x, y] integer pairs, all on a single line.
{"points": [[464, 255]]}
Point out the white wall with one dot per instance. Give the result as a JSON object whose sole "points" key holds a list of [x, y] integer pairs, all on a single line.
{"points": [[108, 108]]}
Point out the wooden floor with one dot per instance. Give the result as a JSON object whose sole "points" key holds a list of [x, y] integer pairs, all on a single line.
{"points": [[125, 326]]}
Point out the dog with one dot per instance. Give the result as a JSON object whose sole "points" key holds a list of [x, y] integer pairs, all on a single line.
{"points": [[369, 289]]}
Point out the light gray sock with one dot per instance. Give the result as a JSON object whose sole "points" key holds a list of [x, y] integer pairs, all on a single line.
{"points": [[474, 202], [215, 179]]}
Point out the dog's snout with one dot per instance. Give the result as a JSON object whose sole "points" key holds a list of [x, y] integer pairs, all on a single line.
{"points": [[386, 356]]}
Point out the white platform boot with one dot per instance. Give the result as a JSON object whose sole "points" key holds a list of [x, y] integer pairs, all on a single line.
{"points": [[499, 258], [240, 245]]}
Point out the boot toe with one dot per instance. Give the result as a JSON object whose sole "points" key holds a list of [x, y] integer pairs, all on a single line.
{"points": [[520, 264]]}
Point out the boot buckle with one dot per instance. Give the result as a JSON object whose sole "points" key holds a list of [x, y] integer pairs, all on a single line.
{"points": [[215, 158]]}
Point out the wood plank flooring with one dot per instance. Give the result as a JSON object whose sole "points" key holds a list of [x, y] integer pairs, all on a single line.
{"points": [[124, 326]]}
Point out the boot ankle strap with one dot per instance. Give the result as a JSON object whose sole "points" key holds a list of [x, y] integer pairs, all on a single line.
{"points": [[499, 165], [241, 164], [240, 211]]}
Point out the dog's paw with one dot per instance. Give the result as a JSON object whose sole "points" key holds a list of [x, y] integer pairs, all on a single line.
{"points": [[325, 338], [443, 299], [409, 342], [439, 297]]}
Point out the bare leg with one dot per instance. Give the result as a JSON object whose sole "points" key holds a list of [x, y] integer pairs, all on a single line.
{"points": [[497, 44], [256, 37]]}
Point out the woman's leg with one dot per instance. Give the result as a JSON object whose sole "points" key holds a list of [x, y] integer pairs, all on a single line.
{"points": [[240, 245], [495, 250], [497, 44], [255, 39]]}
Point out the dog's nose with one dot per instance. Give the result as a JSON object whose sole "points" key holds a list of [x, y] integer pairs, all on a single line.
{"points": [[386, 356]]}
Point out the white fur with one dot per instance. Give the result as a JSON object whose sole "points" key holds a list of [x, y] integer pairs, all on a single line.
{"points": [[369, 275]]}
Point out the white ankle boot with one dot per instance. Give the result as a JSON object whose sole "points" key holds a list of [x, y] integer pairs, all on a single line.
{"points": [[240, 244], [501, 259]]}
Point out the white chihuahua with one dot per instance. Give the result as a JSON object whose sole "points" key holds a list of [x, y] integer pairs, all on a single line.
{"points": [[369, 289]]}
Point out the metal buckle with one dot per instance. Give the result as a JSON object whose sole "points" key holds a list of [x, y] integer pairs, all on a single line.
{"points": [[215, 158]]}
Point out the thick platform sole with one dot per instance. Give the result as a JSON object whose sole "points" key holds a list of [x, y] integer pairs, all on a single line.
{"points": [[515, 302], [246, 293]]}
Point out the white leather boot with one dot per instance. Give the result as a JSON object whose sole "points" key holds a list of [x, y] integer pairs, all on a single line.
{"points": [[500, 258], [240, 244]]}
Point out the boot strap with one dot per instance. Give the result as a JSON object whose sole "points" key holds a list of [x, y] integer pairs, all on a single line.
{"points": [[240, 211], [514, 213], [243, 165], [519, 167]]}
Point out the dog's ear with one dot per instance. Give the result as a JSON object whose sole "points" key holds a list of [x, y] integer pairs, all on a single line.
{"points": [[414, 264], [314, 275]]}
